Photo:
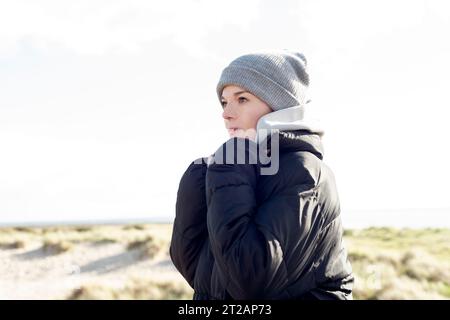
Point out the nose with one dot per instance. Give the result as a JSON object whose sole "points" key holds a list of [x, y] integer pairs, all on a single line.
{"points": [[228, 112]]}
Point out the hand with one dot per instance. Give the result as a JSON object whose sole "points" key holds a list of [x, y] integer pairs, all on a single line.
{"points": [[238, 149]]}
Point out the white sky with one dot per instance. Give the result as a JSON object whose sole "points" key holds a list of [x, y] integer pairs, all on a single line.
{"points": [[103, 104]]}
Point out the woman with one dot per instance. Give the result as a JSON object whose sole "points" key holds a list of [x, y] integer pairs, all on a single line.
{"points": [[239, 234]]}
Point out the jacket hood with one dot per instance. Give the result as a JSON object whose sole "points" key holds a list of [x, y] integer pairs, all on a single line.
{"points": [[294, 131], [292, 118]]}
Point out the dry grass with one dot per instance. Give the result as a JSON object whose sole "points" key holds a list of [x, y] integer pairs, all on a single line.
{"points": [[388, 263], [400, 263], [103, 234], [148, 247], [136, 289], [56, 247], [15, 244]]}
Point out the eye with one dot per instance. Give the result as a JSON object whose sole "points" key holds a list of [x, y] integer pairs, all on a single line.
{"points": [[223, 103]]}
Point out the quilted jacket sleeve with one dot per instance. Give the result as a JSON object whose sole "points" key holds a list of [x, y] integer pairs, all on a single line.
{"points": [[189, 227], [247, 253]]}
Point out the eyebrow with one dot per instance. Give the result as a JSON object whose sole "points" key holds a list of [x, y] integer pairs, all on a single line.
{"points": [[236, 93]]}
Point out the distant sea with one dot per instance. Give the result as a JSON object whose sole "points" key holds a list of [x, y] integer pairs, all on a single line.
{"points": [[352, 219], [398, 218]]}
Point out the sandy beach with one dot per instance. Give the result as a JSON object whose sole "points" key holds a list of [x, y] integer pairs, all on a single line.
{"points": [[37, 272], [133, 262]]}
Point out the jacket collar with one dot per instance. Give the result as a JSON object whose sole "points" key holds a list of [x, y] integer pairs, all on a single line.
{"points": [[295, 132], [292, 118], [297, 140]]}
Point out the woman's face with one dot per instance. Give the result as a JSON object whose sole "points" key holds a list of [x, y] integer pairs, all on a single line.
{"points": [[241, 111]]}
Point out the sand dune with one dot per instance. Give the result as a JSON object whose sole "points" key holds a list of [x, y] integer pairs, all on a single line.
{"points": [[36, 272], [132, 262]]}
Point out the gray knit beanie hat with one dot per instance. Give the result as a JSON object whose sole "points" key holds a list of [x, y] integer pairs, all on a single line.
{"points": [[278, 77]]}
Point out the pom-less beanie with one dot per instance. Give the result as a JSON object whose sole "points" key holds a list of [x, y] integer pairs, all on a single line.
{"points": [[278, 77]]}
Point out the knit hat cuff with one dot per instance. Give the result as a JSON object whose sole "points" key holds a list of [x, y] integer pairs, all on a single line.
{"points": [[259, 85]]}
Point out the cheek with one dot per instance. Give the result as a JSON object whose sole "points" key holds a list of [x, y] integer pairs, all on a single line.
{"points": [[251, 114], [250, 119]]}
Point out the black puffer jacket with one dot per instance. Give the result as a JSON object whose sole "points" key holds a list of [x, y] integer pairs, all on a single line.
{"points": [[239, 235]]}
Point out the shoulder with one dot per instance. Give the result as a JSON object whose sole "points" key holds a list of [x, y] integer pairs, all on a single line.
{"points": [[195, 170], [296, 168]]}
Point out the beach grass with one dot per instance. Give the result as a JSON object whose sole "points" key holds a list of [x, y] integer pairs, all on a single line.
{"points": [[388, 263]]}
